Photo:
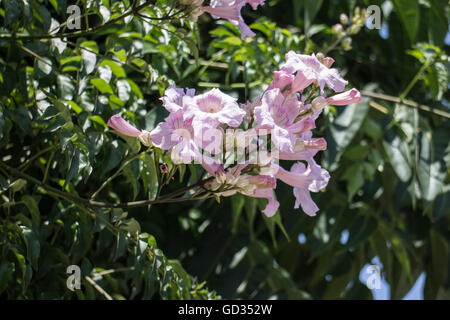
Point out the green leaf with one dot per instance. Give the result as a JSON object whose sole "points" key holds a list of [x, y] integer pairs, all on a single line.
{"points": [[32, 206], [131, 225], [74, 167], [33, 246], [13, 11], [398, 153], [438, 79], [6, 269], [45, 65], [439, 264], [150, 175], [102, 85], [408, 11], [123, 89], [355, 179], [135, 89], [431, 170], [311, 8], [66, 87], [116, 69], [343, 130], [237, 204]]}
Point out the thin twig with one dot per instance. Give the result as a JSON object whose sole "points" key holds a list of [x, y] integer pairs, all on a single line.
{"points": [[405, 102], [24, 165], [78, 200], [98, 288], [94, 195]]}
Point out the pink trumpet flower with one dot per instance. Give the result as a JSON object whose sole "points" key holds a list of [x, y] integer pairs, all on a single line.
{"points": [[173, 99], [322, 74], [214, 107]]}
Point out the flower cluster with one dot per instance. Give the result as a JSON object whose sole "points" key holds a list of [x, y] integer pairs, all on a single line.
{"points": [[240, 145], [225, 9]]}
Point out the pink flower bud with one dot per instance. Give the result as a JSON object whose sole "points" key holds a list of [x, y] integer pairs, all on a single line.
{"points": [[316, 143], [328, 62], [345, 98], [120, 125]]}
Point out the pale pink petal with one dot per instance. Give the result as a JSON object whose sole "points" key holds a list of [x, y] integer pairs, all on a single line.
{"points": [[303, 79], [322, 74], [213, 108], [281, 80], [303, 154], [272, 205], [303, 199], [173, 98]]}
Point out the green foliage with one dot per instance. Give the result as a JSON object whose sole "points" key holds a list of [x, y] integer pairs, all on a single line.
{"points": [[389, 162]]}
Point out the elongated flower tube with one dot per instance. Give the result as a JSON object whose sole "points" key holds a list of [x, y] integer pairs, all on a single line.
{"points": [[302, 80], [345, 98], [121, 125]]}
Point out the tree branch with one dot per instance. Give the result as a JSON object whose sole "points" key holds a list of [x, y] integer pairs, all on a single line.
{"points": [[405, 102], [78, 200]]}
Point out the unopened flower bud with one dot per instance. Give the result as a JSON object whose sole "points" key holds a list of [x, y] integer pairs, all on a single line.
{"points": [[122, 126], [320, 56], [354, 28], [328, 62], [344, 19], [338, 30], [193, 7], [347, 44], [345, 98]]}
